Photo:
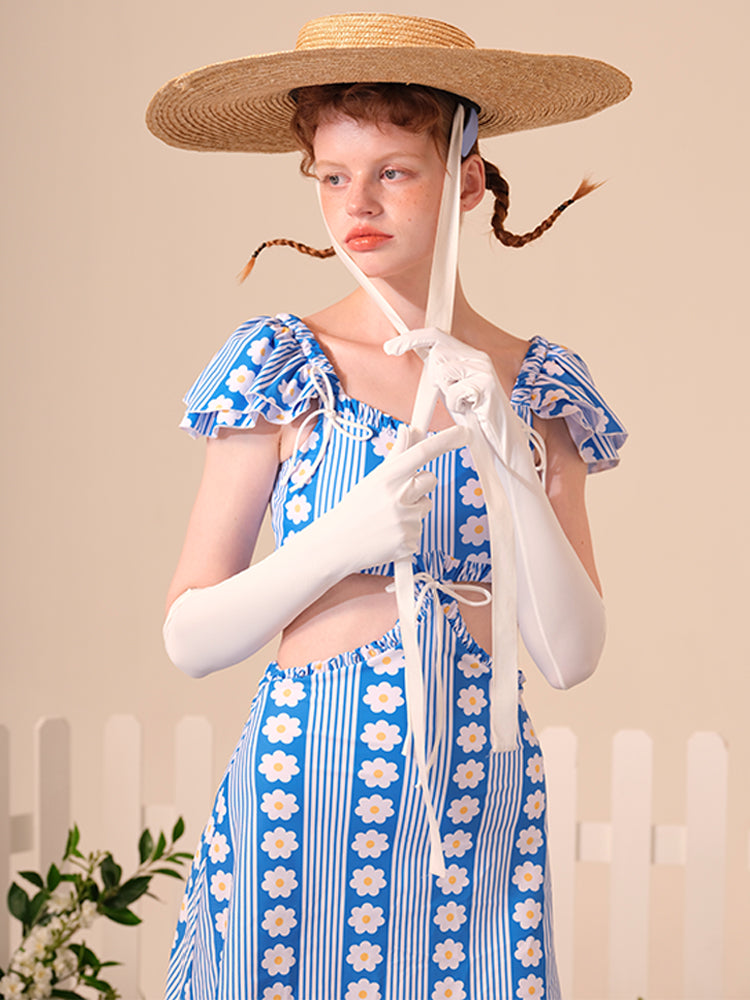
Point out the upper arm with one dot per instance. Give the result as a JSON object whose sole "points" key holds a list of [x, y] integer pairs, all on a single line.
{"points": [[566, 490], [238, 476]]}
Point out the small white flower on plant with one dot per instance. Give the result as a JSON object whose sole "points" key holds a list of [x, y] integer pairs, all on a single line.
{"points": [[370, 844], [381, 735], [450, 916], [88, 913], [23, 963], [471, 737], [65, 963], [366, 919], [378, 773], [528, 914], [528, 876], [12, 986], [277, 961], [61, 898], [448, 954], [279, 843], [279, 882]]}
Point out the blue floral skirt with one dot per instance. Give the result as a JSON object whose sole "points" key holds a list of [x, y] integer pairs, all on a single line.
{"points": [[311, 880]]}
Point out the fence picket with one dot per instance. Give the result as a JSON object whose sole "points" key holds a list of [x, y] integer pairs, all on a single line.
{"points": [[122, 824], [193, 774], [630, 870], [52, 789], [5, 845], [559, 745], [705, 872]]}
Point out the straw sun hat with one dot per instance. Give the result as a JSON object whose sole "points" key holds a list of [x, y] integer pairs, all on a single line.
{"points": [[245, 104]]}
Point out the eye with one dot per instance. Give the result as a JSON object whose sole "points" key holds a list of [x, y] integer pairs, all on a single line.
{"points": [[391, 173], [332, 180]]}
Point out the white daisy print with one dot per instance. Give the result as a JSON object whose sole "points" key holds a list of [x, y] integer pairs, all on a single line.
{"points": [[367, 881], [279, 805], [277, 961], [535, 768], [363, 989], [289, 390], [298, 509], [223, 407], [528, 914], [364, 956], [366, 919], [553, 368], [279, 843], [239, 379], [471, 493], [311, 441], [374, 808], [454, 880], [466, 460], [370, 844], [463, 810], [534, 805], [221, 806], [301, 473], [475, 531], [528, 876], [450, 916], [221, 886], [448, 954], [382, 443], [384, 697], [221, 921], [288, 693], [529, 952], [471, 738], [378, 773], [469, 775], [279, 881], [530, 988], [449, 989], [278, 766], [471, 700], [208, 833], [219, 849], [387, 663], [281, 728], [277, 993], [529, 840], [183, 910], [455, 845], [258, 349], [381, 735], [279, 921], [471, 666], [528, 733]]}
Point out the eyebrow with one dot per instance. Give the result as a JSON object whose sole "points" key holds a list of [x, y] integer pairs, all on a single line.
{"points": [[395, 154]]}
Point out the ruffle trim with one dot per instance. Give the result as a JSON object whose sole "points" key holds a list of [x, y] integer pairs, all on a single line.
{"points": [[555, 382], [267, 368]]}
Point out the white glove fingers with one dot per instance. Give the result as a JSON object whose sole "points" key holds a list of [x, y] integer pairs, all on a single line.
{"points": [[430, 448], [420, 484]]}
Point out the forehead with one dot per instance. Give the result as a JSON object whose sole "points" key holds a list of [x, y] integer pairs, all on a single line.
{"points": [[340, 134]]}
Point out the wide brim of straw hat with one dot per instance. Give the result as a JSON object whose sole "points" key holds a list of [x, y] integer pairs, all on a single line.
{"points": [[244, 105]]}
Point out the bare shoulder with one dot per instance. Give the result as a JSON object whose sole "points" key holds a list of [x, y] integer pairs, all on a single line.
{"points": [[505, 349]]}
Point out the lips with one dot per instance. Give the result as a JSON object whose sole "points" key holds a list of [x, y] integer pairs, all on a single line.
{"points": [[366, 239]]}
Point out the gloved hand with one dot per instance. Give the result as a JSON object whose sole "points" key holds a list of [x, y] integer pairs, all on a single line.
{"points": [[380, 519], [560, 613]]}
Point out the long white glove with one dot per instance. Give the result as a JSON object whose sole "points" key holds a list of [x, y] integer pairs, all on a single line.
{"points": [[560, 613], [380, 519]]}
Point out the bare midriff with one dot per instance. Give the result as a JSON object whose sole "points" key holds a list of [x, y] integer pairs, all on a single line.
{"points": [[357, 610]]}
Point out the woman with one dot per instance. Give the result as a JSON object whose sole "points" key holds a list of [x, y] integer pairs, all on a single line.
{"points": [[380, 829]]}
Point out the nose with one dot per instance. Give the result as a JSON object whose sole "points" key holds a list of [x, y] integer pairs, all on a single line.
{"points": [[362, 198]]}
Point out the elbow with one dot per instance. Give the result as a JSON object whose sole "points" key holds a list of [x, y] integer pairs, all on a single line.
{"points": [[182, 646], [569, 653]]}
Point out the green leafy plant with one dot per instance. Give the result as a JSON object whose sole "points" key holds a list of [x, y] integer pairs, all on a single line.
{"points": [[49, 962]]}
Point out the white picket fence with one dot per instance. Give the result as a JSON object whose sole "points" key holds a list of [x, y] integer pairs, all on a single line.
{"points": [[629, 843]]}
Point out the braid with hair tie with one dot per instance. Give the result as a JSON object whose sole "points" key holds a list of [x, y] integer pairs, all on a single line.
{"points": [[301, 247], [497, 184]]}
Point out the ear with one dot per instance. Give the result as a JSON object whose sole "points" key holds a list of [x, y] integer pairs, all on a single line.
{"points": [[472, 182]]}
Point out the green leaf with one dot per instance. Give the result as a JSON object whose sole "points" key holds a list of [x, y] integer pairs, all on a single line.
{"points": [[34, 877], [111, 871], [53, 877], [67, 994], [120, 916], [169, 871], [161, 846], [178, 829], [71, 846], [179, 856], [85, 956], [37, 904], [145, 846], [97, 984], [133, 889], [18, 903]]}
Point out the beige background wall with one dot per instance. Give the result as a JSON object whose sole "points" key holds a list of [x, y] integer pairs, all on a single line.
{"points": [[119, 256]]}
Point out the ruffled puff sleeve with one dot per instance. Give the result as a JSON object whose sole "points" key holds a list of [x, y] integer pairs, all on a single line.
{"points": [[270, 367], [555, 382]]}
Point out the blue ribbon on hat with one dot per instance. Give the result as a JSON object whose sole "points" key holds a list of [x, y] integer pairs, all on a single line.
{"points": [[471, 131]]}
